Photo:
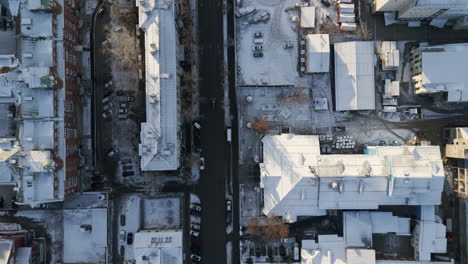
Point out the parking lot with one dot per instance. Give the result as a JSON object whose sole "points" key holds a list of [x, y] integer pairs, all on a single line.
{"points": [[118, 102]]}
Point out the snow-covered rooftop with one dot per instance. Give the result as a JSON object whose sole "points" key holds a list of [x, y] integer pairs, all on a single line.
{"points": [[158, 247], [36, 24], [299, 181], [308, 16], [159, 147], [354, 75], [318, 53], [356, 245], [443, 68], [85, 236], [6, 248]]}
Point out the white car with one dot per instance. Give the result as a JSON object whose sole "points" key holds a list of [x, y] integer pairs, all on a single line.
{"points": [[108, 84], [122, 235], [195, 219], [195, 226], [202, 163], [228, 205], [195, 257], [113, 152], [107, 114], [194, 233]]}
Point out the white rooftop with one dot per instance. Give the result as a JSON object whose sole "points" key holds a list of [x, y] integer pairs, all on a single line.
{"points": [[159, 148], [443, 69], [318, 53], [6, 247], [85, 246], [158, 247], [308, 16], [354, 75], [299, 181], [36, 24]]}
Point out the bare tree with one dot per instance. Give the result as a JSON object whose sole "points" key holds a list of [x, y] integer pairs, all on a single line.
{"points": [[260, 125], [297, 97], [268, 228], [121, 44]]}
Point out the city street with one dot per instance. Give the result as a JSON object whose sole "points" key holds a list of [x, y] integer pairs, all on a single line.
{"points": [[211, 187]]}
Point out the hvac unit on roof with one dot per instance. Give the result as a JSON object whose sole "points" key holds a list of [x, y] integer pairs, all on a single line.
{"points": [[165, 75], [27, 55]]}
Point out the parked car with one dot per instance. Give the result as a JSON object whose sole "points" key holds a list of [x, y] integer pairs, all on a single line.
{"points": [[108, 84], [258, 40], [122, 235], [325, 3], [122, 251], [194, 233], [127, 167], [202, 163], [196, 219], [125, 161], [258, 34], [127, 99], [196, 125], [195, 257], [122, 116], [107, 106], [129, 238], [257, 47], [119, 92], [228, 217], [107, 113], [195, 226], [123, 105], [258, 54], [106, 99], [195, 212], [128, 173], [195, 206], [196, 241], [111, 153], [122, 220], [123, 111], [288, 44], [101, 10], [228, 205], [108, 93]]}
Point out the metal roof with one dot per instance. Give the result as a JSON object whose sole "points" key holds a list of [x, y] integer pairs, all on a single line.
{"points": [[308, 16], [159, 148], [354, 75], [318, 53]]}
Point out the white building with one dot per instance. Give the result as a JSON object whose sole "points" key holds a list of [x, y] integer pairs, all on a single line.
{"points": [[357, 246], [318, 53], [441, 68], [159, 147], [298, 181], [308, 17], [354, 76], [389, 55], [158, 247], [413, 10]]}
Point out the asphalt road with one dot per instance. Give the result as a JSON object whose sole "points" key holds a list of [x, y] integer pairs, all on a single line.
{"points": [[212, 184]]}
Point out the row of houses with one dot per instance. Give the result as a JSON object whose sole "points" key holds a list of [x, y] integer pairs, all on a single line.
{"points": [[39, 97]]}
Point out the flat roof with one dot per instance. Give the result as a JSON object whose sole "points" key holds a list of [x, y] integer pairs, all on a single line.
{"points": [[318, 53], [80, 246], [299, 181], [443, 66], [159, 247], [159, 147], [354, 75], [308, 16]]}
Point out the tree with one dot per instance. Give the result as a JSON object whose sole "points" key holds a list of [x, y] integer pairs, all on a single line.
{"points": [[260, 125], [268, 228], [121, 44]]}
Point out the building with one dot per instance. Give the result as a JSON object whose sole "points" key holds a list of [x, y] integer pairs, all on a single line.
{"points": [[158, 247], [437, 69], [366, 240], [39, 100], [318, 53], [16, 245], [456, 152], [354, 76], [160, 139], [298, 181], [389, 55], [307, 17], [414, 10], [85, 235]]}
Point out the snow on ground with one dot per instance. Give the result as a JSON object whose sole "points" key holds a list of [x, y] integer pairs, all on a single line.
{"points": [[52, 221], [161, 213], [90, 6], [278, 66], [194, 198], [131, 210]]}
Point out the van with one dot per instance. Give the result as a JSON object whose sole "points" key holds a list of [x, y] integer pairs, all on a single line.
{"points": [[106, 99], [228, 134]]}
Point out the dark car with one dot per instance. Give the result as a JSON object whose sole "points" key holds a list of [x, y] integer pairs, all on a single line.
{"points": [[196, 241], [122, 251], [122, 220], [258, 54], [129, 238], [325, 2], [228, 217], [128, 173], [126, 161]]}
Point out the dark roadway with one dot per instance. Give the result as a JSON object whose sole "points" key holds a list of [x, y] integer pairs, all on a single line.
{"points": [[212, 184]]}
